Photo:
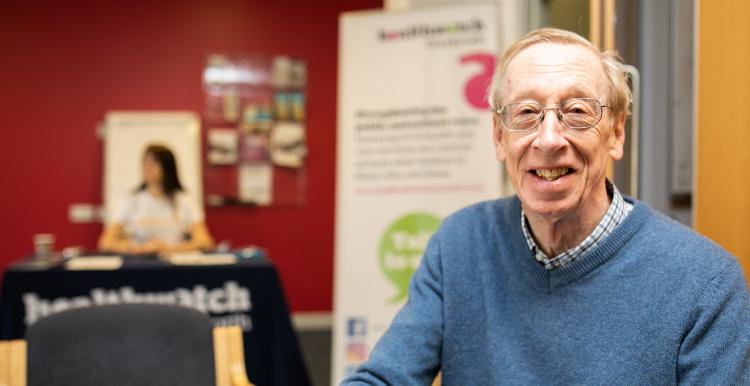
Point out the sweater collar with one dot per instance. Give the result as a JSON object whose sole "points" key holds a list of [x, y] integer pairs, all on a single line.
{"points": [[589, 261]]}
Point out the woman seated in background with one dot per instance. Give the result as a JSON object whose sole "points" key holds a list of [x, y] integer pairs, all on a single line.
{"points": [[159, 217]]}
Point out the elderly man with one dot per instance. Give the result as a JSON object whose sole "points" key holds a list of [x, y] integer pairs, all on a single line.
{"points": [[569, 282]]}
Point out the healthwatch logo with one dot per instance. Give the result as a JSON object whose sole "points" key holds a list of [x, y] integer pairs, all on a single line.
{"points": [[431, 30], [227, 305]]}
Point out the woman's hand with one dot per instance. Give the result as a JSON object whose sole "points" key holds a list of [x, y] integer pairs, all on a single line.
{"points": [[152, 247]]}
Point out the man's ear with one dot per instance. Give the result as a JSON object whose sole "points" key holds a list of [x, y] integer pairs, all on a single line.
{"points": [[617, 141], [497, 138]]}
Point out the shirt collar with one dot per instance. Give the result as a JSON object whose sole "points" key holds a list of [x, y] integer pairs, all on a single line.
{"points": [[615, 215]]}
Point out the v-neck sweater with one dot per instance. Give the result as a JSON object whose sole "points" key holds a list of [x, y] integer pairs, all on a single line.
{"points": [[654, 303]]}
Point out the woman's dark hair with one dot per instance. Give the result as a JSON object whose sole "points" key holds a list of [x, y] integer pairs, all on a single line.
{"points": [[165, 158]]}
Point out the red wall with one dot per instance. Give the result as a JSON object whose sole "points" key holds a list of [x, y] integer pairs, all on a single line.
{"points": [[63, 66]]}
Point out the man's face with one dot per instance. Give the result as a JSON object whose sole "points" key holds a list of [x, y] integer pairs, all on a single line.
{"points": [[548, 74]]}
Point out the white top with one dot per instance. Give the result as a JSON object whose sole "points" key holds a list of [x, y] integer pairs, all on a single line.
{"points": [[147, 217]]}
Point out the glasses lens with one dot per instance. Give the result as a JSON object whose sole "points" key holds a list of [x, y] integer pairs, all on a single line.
{"points": [[521, 116], [581, 113]]}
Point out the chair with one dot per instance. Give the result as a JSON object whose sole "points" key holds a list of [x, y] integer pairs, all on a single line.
{"points": [[127, 344]]}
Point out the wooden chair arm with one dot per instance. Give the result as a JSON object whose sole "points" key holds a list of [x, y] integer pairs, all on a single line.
{"points": [[229, 357], [13, 363]]}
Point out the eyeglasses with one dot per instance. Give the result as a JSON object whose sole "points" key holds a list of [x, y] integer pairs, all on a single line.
{"points": [[575, 113]]}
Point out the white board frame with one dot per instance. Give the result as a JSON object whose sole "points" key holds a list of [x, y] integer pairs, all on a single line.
{"points": [[126, 135]]}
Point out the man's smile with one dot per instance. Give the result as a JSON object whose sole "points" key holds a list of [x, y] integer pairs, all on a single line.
{"points": [[551, 174]]}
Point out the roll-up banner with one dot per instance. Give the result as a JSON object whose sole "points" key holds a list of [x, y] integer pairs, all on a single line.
{"points": [[414, 145]]}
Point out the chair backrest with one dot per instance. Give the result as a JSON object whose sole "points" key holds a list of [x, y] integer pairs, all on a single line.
{"points": [[128, 344]]}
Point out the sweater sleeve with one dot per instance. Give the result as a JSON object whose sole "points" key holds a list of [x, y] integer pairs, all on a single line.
{"points": [[716, 349], [409, 352]]}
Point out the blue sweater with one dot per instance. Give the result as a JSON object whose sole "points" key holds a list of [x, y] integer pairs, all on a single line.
{"points": [[652, 304]]}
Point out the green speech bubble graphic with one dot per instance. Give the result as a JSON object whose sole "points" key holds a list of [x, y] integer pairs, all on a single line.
{"points": [[402, 246]]}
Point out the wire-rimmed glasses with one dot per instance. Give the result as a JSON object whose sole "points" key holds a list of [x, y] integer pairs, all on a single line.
{"points": [[574, 113]]}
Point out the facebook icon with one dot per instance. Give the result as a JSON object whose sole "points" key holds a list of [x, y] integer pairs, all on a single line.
{"points": [[356, 327]]}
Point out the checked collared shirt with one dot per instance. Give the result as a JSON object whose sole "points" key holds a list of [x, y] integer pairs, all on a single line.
{"points": [[615, 215]]}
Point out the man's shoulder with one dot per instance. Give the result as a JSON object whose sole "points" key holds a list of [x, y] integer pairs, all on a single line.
{"points": [[476, 225], [673, 244], [486, 213]]}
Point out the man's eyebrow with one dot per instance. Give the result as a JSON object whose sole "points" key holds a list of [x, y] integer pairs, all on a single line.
{"points": [[538, 95]]}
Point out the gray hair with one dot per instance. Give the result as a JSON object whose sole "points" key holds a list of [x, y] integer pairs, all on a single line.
{"points": [[620, 96]]}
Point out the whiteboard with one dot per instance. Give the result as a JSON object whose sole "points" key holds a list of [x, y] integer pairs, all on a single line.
{"points": [[127, 134]]}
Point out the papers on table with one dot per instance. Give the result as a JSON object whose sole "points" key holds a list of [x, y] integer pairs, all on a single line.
{"points": [[115, 262], [94, 263], [196, 258]]}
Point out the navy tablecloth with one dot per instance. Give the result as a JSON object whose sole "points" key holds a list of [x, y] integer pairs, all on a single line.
{"points": [[247, 293]]}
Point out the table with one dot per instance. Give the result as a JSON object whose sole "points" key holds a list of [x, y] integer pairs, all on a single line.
{"points": [[247, 293]]}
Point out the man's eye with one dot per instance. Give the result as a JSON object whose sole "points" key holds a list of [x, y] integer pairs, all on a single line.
{"points": [[526, 110], [577, 109]]}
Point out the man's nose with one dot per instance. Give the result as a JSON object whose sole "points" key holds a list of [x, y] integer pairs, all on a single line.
{"points": [[551, 133]]}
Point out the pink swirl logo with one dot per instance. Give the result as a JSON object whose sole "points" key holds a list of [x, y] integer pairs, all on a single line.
{"points": [[476, 87]]}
